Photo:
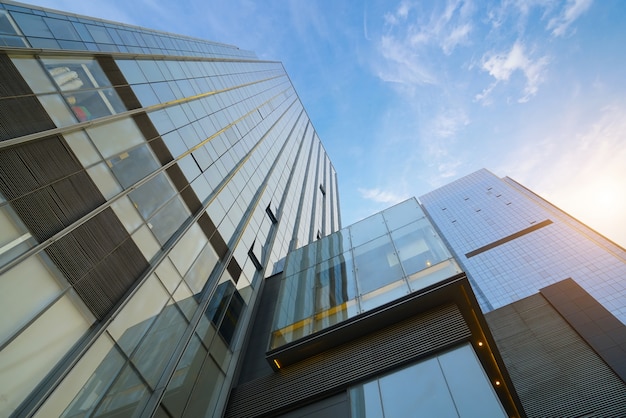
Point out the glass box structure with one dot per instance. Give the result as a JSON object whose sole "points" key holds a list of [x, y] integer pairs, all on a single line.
{"points": [[377, 260], [147, 182], [376, 319]]}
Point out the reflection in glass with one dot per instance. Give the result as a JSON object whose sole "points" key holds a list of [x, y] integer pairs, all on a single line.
{"points": [[89, 396], [165, 334], [376, 264], [128, 393], [152, 195], [133, 165], [418, 246], [452, 384], [357, 269], [365, 401], [367, 229]]}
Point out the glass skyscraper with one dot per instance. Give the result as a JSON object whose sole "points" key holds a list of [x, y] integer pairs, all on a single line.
{"points": [[147, 182], [512, 243], [171, 246], [552, 289]]}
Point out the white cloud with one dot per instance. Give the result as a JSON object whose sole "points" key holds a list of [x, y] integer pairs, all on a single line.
{"points": [[449, 122], [459, 35], [572, 11], [402, 64], [502, 66], [411, 37], [382, 196]]}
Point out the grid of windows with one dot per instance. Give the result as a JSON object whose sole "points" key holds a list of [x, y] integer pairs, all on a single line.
{"points": [[184, 152], [41, 28], [354, 270], [522, 266]]}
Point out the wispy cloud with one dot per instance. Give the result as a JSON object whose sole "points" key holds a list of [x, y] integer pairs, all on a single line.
{"points": [[580, 168], [382, 196], [572, 11], [411, 36], [449, 122], [502, 65]]}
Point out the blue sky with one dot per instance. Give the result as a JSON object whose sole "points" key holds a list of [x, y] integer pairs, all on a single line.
{"points": [[410, 95]]}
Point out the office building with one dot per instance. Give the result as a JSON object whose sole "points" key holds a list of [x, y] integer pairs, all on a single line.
{"points": [[148, 181], [375, 320], [553, 291], [172, 246]]}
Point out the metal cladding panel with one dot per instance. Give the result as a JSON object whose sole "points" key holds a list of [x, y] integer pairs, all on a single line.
{"points": [[555, 373], [334, 370]]}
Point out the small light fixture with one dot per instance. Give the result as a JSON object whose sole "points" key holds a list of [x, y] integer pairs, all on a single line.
{"points": [[428, 263], [480, 343], [497, 383], [277, 363]]}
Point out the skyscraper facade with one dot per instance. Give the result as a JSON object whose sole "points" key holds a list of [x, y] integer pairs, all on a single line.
{"points": [[147, 182], [512, 243], [553, 291], [374, 320]]}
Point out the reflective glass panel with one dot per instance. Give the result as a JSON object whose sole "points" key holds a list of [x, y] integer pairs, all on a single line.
{"points": [[376, 264]]}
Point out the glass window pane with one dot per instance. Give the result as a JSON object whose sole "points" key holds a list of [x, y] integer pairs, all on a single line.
{"points": [[62, 29], [31, 70], [131, 71], [75, 393], [168, 275], [133, 165], [127, 213], [113, 138], [82, 147], [472, 392], [188, 248], [75, 73], [32, 25], [228, 328], [99, 34], [25, 363], [136, 317], [168, 219], [148, 245], [199, 272], [15, 238], [128, 393], [185, 300], [145, 94], [365, 401], [402, 214], [152, 195], [367, 229], [418, 390], [57, 109], [7, 27], [165, 333], [182, 384], [104, 180], [418, 246], [206, 390], [24, 291], [376, 264]]}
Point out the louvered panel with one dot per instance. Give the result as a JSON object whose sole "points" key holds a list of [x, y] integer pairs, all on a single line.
{"points": [[16, 179], [555, 373], [15, 84], [341, 366], [38, 211], [48, 159], [100, 260]]}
